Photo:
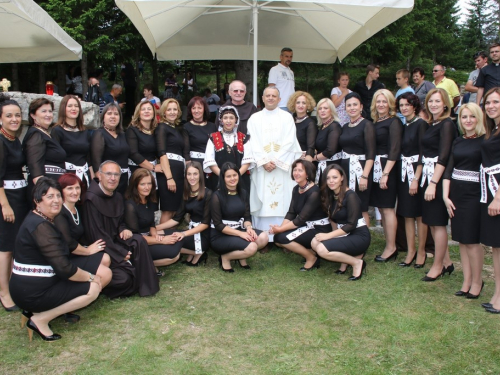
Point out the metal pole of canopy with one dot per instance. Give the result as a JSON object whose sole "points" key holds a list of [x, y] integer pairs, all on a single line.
{"points": [[255, 49]]}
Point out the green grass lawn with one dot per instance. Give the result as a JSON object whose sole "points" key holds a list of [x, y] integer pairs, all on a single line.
{"points": [[272, 319]]}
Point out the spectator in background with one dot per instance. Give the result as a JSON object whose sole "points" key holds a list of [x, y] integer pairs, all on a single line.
{"points": [[489, 75], [112, 97], [402, 80], [129, 83], [212, 101], [449, 85], [225, 93], [190, 81], [367, 88], [148, 95], [480, 60], [93, 94], [338, 95], [103, 86], [173, 93], [74, 81], [421, 86], [171, 81], [282, 77]]}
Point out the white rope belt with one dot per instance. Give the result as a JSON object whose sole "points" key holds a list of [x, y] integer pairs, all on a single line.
{"points": [[361, 223], [377, 167], [492, 181], [197, 238], [14, 184], [407, 168], [355, 169], [197, 155], [54, 170], [462, 175], [132, 164], [32, 270], [322, 164], [428, 170], [80, 171], [309, 225], [232, 224]]}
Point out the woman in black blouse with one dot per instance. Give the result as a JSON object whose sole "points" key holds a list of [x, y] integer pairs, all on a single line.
{"points": [[327, 140], [140, 209], [44, 156], [12, 192], [110, 143], [436, 150], [301, 104], [172, 145], [70, 133], [41, 250], [350, 238], [232, 235], [141, 138], [196, 203], [388, 132], [305, 216]]}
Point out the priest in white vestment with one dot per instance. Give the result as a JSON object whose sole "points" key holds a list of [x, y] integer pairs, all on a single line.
{"points": [[271, 151]]}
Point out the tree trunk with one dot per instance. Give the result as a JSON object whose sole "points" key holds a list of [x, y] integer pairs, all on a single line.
{"points": [[41, 78], [85, 74], [217, 77], [154, 65], [15, 77], [244, 71], [138, 80]]}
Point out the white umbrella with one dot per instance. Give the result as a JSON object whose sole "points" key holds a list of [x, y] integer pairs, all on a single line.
{"points": [[318, 32], [29, 34]]}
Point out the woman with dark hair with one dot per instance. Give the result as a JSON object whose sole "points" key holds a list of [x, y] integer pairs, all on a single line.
{"points": [[12, 192], [196, 203], [44, 156], [110, 143], [140, 208], [436, 150], [490, 194], [327, 140], [70, 133], [300, 105], [45, 283], [388, 132], [232, 235], [409, 192], [227, 145], [357, 142], [350, 238], [305, 217], [172, 145], [338, 95], [141, 138]]}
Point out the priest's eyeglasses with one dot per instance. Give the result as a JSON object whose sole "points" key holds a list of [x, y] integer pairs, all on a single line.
{"points": [[111, 174]]}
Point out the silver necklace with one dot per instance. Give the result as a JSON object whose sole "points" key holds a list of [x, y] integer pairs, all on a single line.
{"points": [[77, 220]]}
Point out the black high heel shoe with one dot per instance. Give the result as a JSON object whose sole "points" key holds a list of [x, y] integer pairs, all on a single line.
{"points": [[202, 259], [71, 318], [461, 293], [394, 255], [33, 328], [340, 272], [404, 264], [187, 262], [230, 270], [9, 309], [449, 269], [420, 265], [475, 296], [246, 266], [431, 279], [363, 269], [315, 265], [487, 305]]}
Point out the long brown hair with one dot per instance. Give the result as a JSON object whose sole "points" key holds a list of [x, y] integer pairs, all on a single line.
{"points": [[201, 181], [327, 195], [135, 179], [136, 118], [61, 116], [489, 123]]}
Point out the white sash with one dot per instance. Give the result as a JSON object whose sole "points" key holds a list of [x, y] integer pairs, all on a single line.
{"points": [[171, 156], [377, 168], [127, 171], [463, 175], [309, 225], [361, 223], [32, 270], [407, 168], [232, 224], [322, 164], [492, 181], [197, 238], [52, 169], [355, 169], [428, 170], [197, 155], [80, 171], [14, 184]]}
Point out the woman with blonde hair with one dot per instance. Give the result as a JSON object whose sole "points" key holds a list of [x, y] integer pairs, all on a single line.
{"points": [[461, 192], [301, 104]]}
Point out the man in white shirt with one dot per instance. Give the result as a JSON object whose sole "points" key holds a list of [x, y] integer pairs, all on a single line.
{"points": [[282, 77]]}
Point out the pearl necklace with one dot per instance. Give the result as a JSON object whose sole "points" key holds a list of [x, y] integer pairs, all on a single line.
{"points": [[300, 119], [77, 220], [354, 123], [412, 120]]}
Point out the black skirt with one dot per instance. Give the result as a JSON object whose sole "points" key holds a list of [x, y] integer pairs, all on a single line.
{"points": [[355, 243], [489, 232], [408, 205], [223, 244], [434, 212], [170, 201], [465, 196], [19, 204], [381, 198], [305, 238]]}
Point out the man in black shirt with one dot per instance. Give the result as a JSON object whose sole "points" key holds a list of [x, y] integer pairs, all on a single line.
{"points": [[489, 75], [367, 88]]}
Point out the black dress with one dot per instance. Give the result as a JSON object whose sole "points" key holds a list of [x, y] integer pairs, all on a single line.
{"points": [[350, 219], [199, 213], [306, 135], [142, 147], [436, 143], [44, 156], [327, 143], [232, 208], [77, 147], [303, 208], [12, 161], [410, 205], [106, 147], [358, 140], [198, 138], [463, 165], [172, 141], [490, 155], [139, 218], [42, 268], [388, 137]]}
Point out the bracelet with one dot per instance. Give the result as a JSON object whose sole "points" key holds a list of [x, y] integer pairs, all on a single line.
{"points": [[385, 174], [433, 182], [248, 226], [91, 277], [366, 178], [171, 178]]}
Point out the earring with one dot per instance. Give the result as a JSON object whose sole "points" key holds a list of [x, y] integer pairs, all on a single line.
{"points": [[445, 108]]}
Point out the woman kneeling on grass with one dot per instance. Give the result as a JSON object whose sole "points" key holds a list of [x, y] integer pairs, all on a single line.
{"points": [[351, 238]]}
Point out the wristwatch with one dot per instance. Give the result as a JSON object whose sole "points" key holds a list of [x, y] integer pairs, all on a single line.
{"points": [[91, 277]]}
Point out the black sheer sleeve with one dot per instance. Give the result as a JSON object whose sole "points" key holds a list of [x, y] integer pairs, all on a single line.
{"points": [[52, 248], [3, 162], [207, 217], [186, 155], [370, 143], [421, 131], [97, 146], [181, 211], [446, 137], [311, 205], [451, 164], [215, 206], [333, 140], [395, 136], [130, 217], [61, 223], [247, 216], [133, 143], [161, 139], [312, 132], [353, 206], [35, 148], [291, 214]]}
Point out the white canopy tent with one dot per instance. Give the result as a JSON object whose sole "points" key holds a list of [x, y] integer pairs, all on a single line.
{"points": [[317, 31], [29, 34]]}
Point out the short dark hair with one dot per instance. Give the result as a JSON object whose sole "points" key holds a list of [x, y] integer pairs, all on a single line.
{"points": [[286, 49], [371, 68], [132, 191], [418, 70], [479, 54], [492, 45], [148, 86], [412, 99], [69, 179], [42, 187], [353, 95], [5, 100], [199, 100], [227, 166], [308, 167], [35, 105]]}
